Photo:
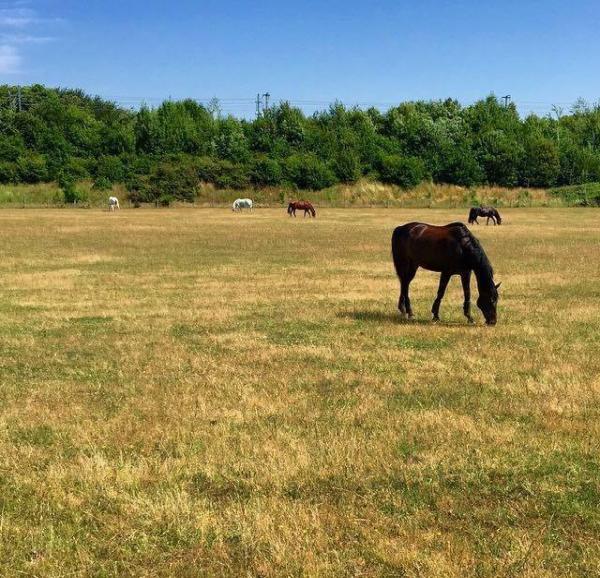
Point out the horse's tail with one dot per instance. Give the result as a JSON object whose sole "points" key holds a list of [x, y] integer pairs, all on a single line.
{"points": [[498, 217], [399, 237]]}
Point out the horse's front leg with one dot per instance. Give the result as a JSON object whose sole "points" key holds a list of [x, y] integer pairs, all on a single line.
{"points": [[466, 284], [444, 279]]}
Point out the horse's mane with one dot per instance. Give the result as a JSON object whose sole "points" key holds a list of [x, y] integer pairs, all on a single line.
{"points": [[473, 248]]}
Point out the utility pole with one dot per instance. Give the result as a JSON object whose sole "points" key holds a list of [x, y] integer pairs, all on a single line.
{"points": [[258, 101], [506, 100], [557, 110], [267, 96]]}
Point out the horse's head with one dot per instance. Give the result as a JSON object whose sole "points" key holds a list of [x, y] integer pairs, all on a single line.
{"points": [[498, 218], [472, 215], [487, 302]]}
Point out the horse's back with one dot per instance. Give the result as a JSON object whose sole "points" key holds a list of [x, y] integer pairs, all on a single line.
{"points": [[433, 247], [425, 227]]}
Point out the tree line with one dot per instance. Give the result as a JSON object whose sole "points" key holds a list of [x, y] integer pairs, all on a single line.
{"points": [[164, 153]]}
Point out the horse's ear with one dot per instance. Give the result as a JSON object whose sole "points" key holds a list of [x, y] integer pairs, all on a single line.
{"points": [[498, 285]]}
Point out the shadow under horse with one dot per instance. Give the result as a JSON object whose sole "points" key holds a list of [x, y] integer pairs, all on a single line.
{"points": [[450, 250], [488, 212]]}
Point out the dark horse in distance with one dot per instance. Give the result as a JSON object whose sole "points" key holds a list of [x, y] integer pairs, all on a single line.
{"points": [[450, 250], [488, 212], [301, 206]]}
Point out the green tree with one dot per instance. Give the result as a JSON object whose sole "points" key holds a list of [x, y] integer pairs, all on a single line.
{"points": [[307, 171], [176, 178], [266, 171], [404, 171], [541, 164]]}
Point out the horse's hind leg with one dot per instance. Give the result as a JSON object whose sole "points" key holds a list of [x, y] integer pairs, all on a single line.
{"points": [[435, 309], [466, 284], [405, 280], [401, 306]]}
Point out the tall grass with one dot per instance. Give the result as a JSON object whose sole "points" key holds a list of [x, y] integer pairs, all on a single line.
{"points": [[364, 193], [51, 195]]}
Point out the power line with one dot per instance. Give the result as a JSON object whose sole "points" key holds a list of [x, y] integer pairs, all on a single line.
{"points": [[20, 100]]}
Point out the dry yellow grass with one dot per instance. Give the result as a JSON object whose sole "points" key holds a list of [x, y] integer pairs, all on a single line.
{"points": [[199, 393]]}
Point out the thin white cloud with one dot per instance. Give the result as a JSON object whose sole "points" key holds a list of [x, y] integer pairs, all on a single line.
{"points": [[25, 39], [17, 17], [10, 59], [20, 25]]}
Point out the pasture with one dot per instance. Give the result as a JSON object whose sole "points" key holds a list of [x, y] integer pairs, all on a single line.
{"points": [[201, 393]]}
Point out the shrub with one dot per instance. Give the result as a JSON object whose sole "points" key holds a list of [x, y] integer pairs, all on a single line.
{"points": [[165, 200], [231, 176], [178, 180], [11, 148], [306, 171], [207, 168], [70, 193], [78, 168], [541, 164], [32, 168], [266, 171], [578, 195], [102, 184], [8, 172], [111, 169], [404, 171], [347, 167]]}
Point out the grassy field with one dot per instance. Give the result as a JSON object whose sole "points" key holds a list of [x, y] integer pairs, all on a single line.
{"points": [[198, 393]]}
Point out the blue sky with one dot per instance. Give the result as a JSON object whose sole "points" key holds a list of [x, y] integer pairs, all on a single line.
{"points": [[540, 52]]}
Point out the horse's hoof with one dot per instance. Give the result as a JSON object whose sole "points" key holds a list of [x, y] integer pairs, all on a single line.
{"points": [[436, 319]]}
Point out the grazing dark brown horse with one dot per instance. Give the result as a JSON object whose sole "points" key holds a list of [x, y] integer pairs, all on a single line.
{"points": [[488, 212], [301, 206], [451, 250]]}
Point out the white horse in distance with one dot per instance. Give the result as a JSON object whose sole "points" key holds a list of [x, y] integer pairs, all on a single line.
{"points": [[113, 203], [240, 204]]}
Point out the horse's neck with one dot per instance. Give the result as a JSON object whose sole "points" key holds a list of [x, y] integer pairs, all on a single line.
{"points": [[484, 277]]}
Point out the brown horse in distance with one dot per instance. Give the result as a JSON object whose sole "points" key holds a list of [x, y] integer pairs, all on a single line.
{"points": [[301, 206], [451, 250], [488, 212]]}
